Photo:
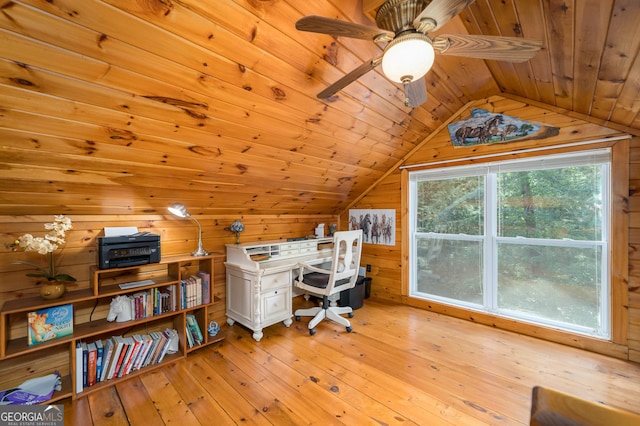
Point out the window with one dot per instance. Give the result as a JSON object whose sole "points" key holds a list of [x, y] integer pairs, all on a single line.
{"points": [[524, 239]]}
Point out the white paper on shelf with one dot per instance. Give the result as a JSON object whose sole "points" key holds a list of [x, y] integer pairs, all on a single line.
{"points": [[32, 391], [118, 231]]}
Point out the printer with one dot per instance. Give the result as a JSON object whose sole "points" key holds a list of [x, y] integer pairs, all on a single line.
{"points": [[128, 250]]}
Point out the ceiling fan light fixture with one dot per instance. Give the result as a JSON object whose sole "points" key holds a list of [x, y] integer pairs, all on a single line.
{"points": [[408, 58]]}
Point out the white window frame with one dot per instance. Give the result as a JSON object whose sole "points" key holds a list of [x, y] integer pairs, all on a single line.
{"points": [[491, 240]]}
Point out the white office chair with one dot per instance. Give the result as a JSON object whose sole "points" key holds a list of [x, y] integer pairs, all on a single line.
{"points": [[328, 283]]}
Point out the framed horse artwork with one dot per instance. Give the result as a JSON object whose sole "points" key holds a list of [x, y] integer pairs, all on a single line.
{"points": [[484, 127], [378, 225]]}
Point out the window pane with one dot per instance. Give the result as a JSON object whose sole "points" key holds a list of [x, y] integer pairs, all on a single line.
{"points": [[552, 203], [556, 283], [525, 239], [450, 269], [451, 206]]}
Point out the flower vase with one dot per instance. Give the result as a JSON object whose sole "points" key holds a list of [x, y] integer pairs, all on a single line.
{"points": [[50, 290]]}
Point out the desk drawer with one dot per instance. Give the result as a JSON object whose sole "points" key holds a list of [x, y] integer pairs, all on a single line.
{"points": [[281, 279], [290, 246], [276, 306]]}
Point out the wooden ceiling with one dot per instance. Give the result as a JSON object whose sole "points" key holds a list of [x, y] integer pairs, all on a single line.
{"points": [[124, 106]]}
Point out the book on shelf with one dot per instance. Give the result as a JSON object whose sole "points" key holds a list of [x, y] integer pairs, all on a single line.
{"points": [[146, 345], [147, 305], [124, 355], [189, 335], [85, 364], [184, 294], [137, 342], [118, 342], [160, 340], [174, 342], [188, 289], [191, 292], [194, 328], [135, 365], [106, 359], [79, 368], [165, 299], [148, 351], [206, 286], [152, 348], [172, 297], [118, 356], [155, 301], [92, 358], [99, 360], [153, 343], [164, 338], [197, 290], [139, 304], [49, 323], [170, 337]]}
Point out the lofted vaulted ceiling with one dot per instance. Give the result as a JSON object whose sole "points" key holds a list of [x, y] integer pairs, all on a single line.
{"points": [[124, 106]]}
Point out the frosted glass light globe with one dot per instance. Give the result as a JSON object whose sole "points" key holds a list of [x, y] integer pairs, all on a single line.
{"points": [[408, 57]]}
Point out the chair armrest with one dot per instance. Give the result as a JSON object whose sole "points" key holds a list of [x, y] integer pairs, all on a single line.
{"points": [[311, 268]]}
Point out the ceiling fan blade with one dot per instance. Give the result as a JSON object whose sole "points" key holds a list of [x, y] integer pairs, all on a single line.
{"points": [[415, 93], [349, 78], [441, 11], [320, 24], [512, 49]]}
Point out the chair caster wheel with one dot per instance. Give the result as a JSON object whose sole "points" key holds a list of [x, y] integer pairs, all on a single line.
{"points": [[350, 314], [297, 317], [312, 331], [349, 329]]}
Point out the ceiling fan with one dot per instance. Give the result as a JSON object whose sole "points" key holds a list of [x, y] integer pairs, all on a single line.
{"points": [[404, 25]]}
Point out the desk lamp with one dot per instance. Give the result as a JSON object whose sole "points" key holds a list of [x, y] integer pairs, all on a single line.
{"points": [[178, 209]]}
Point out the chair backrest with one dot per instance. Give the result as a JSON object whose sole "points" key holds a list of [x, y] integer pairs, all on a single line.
{"points": [[345, 263]]}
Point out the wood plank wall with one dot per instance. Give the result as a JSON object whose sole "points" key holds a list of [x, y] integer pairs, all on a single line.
{"points": [[388, 261], [178, 236], [634, 250]]}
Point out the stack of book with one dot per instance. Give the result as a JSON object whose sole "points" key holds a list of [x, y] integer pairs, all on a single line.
{"points": [[118, 356], [154, 301], [193, 332], [195, 290]]}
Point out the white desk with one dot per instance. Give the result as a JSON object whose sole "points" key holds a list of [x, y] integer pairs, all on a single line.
{"points": [[260, 279]]}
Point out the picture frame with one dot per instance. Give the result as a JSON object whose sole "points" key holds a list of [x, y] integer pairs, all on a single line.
{"points": [[378, 225]]}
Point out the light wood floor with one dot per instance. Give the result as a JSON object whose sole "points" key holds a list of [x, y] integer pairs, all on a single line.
{"points": [[399, 366]]}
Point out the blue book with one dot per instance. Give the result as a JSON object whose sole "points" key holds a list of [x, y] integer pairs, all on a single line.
{"points": [[85, 365], [99, 360], [49, 323], [106, 358]]}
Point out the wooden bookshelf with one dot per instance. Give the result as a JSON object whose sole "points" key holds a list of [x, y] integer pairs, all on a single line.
{"points": [[105, 285]]}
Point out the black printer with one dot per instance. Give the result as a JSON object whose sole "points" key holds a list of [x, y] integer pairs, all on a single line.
{"points": [[128, 250]]}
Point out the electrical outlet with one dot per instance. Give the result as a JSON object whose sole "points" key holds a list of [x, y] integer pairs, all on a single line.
{"points": [[368, 268]]}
